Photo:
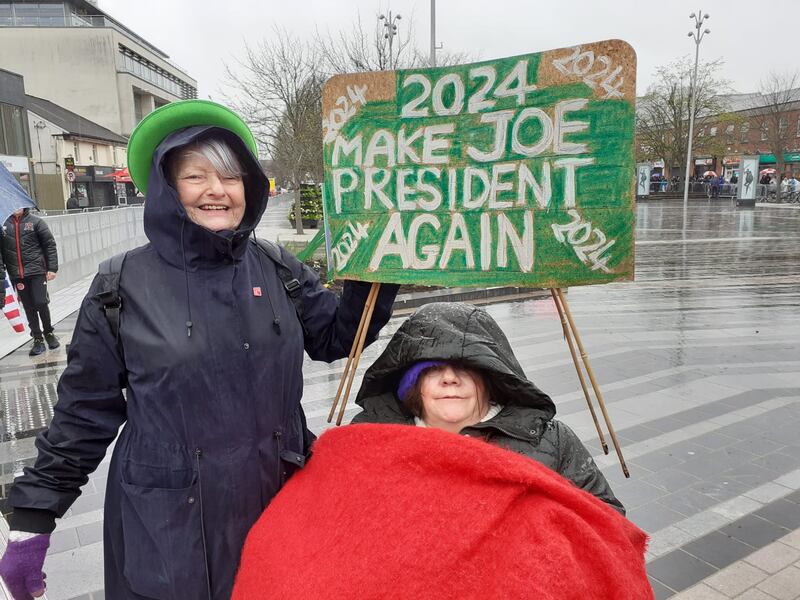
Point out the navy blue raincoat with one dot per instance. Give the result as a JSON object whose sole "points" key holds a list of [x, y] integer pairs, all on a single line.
{"points": [[212, 421]]}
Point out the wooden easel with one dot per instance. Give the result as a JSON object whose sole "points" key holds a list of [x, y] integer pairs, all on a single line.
{"points": [[355, 353], [570, 333]]}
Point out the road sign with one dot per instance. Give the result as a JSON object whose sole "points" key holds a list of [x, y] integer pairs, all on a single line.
{"points": [[70, 175]]}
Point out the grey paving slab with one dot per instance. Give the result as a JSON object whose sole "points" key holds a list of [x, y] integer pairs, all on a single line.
{"points": [[660, 591], [671, 479], [715, 440], [679, 570], [635, 493], [654, 516], [755, 531], [783, 585], [778, 462], [718, 549], [781, 512]]}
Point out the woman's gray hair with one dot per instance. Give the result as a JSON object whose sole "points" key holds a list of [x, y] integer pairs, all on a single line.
{"points": [[217, 152]]}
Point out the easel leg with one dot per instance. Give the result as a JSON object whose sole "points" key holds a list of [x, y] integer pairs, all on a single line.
{"points": [[578, 370], [355, 353], [596, 387]]}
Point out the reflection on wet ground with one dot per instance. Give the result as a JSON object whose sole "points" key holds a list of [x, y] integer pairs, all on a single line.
{"points": [[697, 359]]}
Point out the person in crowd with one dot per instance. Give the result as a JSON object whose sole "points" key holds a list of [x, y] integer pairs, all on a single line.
{"points": [[714, 181], [794, 184], [734, 178], [720, 182], [209, 346], [30, 255], [451, 367], [72, 202], [784, 186]]}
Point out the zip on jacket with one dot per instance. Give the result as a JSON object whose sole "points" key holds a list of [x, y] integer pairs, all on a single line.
{"points": [[19, 248]]}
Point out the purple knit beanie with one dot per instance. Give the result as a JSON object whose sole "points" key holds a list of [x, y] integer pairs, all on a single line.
{"points": [[409, 378]]}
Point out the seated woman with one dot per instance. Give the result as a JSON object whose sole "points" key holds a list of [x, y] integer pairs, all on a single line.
{"points": [[450, 366]]}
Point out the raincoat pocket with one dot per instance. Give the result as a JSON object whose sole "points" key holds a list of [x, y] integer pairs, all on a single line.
{"points": [[162, 542], [290, 462]]}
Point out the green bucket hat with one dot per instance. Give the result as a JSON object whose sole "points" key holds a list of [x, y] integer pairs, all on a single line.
{"points": [[156, 126]]}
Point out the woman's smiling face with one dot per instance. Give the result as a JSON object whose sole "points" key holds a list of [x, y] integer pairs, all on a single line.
{"points": [[452, 397], [211, 200]]}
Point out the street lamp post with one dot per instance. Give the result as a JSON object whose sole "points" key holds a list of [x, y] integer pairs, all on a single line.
{"points": [[433, 33], [390, 23], [698, 34]]}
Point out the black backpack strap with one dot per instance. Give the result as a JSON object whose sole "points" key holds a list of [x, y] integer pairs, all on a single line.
{"points": [[109, 272], [290, 282]]}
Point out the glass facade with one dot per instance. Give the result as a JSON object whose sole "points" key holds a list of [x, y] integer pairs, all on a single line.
{"points": [[142, 68], [32, 14], [13, 140]]}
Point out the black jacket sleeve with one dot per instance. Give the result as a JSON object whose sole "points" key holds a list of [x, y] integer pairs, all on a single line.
{"points": [[89, 411], [576, 464], [48, 244], [330, 321]]}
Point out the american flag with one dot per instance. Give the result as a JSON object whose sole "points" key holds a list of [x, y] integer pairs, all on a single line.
{"points": [[11, 308]]}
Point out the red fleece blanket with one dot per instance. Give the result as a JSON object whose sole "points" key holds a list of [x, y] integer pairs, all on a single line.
{"points": [[391, 511]]}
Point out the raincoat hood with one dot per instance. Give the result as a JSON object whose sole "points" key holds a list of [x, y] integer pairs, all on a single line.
{"points": [[460, 333], [166, 222]]}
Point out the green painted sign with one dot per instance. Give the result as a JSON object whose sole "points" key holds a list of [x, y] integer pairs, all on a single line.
{"points": [[509, 172]]}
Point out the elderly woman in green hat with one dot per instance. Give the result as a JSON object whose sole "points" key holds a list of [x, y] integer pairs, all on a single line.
{"points": [[193, 344]]}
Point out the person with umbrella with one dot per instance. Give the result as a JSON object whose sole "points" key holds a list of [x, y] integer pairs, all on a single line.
{"points": [[28, 252]]}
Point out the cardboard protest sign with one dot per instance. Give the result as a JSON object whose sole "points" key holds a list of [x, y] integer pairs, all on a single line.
{"points": [[518, 171]]}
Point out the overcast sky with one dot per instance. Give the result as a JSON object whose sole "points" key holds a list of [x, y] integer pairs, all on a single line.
{"points": [[200, 36]]}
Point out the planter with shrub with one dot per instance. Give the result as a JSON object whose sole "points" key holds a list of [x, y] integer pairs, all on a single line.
{"points": [[310, 206]]}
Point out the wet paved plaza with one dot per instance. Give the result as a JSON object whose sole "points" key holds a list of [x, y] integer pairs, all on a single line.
{"points": [[699, 364]]}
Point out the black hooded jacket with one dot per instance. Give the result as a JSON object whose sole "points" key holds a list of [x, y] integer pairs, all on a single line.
{"points": [[210, 354], [28, 247], [467, 335]]}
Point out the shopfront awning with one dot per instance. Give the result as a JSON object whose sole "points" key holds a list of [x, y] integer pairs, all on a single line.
{"points": [[788, 157]]}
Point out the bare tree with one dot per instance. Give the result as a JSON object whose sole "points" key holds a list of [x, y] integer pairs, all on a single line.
{"points": [[362, 49], [276, 88], [778, 94], [662, 115]]}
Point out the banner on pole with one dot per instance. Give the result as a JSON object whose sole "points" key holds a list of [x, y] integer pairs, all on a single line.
{"points": [[518, 171]]}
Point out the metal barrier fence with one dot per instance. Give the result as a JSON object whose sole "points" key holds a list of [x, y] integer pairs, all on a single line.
{"points": [[771, 193], [726, 190], [86, 238]]}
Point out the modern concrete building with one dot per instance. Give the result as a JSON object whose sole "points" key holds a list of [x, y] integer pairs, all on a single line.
{"points": [[74, 156], [15, 147], [77, 56]]}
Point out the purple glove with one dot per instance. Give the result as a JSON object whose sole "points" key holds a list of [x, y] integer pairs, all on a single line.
{"points": [[21, 567]]}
